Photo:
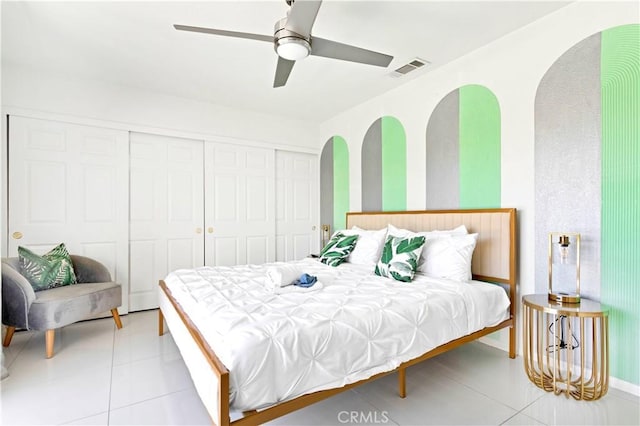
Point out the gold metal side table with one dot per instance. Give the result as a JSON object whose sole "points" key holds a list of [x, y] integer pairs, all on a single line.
{"points": [[566, 346]]}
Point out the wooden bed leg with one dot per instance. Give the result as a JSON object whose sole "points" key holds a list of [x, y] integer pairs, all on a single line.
{"points": [[512, 341], [160, 323], [402, 382]]}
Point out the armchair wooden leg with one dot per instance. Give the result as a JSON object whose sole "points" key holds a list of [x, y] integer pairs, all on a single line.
{"points": [[116, 318], [49, 338], [8, 336]]}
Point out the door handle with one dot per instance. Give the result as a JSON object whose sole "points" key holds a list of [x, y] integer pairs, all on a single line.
{"points": [[210, 230], [198, 230], [17, 235]]}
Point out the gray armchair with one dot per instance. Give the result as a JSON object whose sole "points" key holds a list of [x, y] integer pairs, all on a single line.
{"points": [[54, 308]]}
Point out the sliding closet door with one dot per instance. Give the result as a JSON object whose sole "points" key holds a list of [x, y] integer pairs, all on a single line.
{"points": [[239, 204], [297, 207], [167, 212], [69, 183]]}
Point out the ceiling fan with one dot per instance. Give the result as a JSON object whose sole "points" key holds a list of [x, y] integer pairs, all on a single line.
{"points": [[292, 41]]}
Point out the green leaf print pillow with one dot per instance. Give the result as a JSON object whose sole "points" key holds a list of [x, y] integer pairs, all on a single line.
{"points": [[400, 257], [50, 270], [338, 249]]}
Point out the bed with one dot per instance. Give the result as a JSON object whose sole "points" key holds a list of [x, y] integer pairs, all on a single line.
{"points": [[267, 355]]}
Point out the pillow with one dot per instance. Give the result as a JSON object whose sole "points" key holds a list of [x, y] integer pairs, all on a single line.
{"points": [[460, 230], [399, 258], [338, 249], [54, 269], [449, 257], [368, 247]]}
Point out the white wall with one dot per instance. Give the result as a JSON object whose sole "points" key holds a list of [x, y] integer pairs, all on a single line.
{"points": [[3, 369], [512, 68], [140, 110], [52, 96]]}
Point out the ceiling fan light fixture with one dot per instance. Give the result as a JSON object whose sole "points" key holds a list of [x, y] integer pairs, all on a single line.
{"points": [[293, 48]]}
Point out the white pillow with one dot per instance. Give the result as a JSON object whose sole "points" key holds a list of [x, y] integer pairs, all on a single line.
{"points": [[369, 246], [449, 256], [428, 235], [398, 232]]}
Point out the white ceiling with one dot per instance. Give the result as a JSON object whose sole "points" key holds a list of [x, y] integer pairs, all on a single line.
{"points": [[134, 44]]}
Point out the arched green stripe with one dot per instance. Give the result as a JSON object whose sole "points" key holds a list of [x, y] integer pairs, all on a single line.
{"points": [[620, 260], [394, 165], [479, 128], [326, 184], [340, 182]]}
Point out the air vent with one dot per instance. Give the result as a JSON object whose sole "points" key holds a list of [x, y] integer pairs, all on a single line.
{"points": [[410, 67]]}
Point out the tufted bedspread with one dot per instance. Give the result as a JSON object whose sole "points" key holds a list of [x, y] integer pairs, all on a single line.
{"points": [[280, 346]]}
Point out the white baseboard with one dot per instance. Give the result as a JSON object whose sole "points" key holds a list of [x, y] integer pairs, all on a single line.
{"points": [[624, 386]]}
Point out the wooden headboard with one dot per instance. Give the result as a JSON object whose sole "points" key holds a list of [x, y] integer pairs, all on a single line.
{"points": [[494, 258]]}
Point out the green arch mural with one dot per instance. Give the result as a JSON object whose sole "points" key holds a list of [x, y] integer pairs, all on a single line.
{"points": [[587, 177], [620, 231], [463, 144], [384, 166], [334, 183]]}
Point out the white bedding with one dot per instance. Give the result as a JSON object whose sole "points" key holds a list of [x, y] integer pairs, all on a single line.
{"points": [[280, 346]]}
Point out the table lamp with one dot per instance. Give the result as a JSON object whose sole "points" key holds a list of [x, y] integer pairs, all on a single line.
{"points": [[564, 267]]}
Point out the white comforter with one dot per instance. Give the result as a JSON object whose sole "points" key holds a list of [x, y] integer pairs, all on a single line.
{"points": [[279, 346]]}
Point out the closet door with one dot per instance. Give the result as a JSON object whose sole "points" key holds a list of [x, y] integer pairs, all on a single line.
{"points": [[297, 206], [69, 183], [166, 212], [239, 204]]}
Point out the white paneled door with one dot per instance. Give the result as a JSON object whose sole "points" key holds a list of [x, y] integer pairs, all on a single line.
{"points": [[239, 204], [166, 212], [69, 183], [296, 205]]}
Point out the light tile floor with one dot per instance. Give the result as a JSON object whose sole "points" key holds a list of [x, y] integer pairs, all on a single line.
{"points": [[131, 376]]}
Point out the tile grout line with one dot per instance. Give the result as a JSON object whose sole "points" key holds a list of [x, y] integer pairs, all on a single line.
{"points": [[365, 399], [142, 401], [453, 378], [21, 349], [518, 411], [524, 408]]}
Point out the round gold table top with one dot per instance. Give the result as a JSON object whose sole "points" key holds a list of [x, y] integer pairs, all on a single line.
{"points": [[586, 307]]}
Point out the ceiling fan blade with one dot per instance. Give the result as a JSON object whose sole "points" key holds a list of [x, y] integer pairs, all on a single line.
{"points": [[302, 16], [237, 34], [346, 52], [282, 72]]}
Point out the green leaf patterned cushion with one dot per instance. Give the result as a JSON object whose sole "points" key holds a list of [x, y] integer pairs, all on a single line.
{"points": [[338, 249], [399, 258], [51, 270]]}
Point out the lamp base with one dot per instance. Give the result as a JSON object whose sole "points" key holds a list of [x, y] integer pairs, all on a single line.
{"points": [[562, 297]]}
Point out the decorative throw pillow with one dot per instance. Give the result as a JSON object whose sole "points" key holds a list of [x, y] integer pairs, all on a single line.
{"points": [[399, 258], [449, 257], [50, 270], [338, 249]]}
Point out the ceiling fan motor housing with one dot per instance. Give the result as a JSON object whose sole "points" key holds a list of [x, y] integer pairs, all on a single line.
{"points": [[290, 45]]}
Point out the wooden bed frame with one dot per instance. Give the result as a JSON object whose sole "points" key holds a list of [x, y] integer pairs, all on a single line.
{"points": [[494, 260]]}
